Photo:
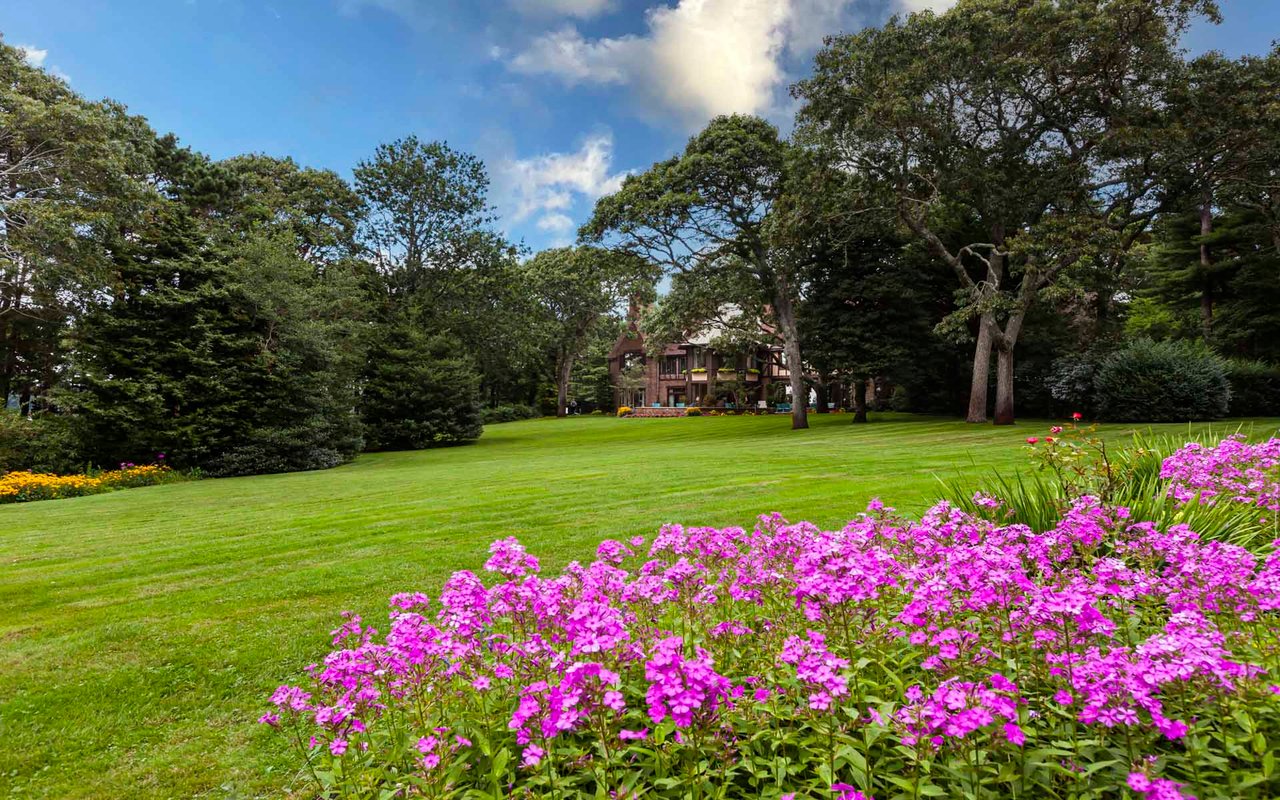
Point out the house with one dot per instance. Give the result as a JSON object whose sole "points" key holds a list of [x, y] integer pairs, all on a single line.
{"points": [[694, 373]]}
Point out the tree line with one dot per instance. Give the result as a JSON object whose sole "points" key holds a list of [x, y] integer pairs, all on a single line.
{"points": [[255, 315], [1082, 182], [1016, 194]]}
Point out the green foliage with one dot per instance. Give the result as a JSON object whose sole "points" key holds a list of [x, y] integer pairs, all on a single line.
{"points": [[497, 414], [1161, 382], [1255, 388], [713, 218], [419, 391], [1070, 381], [41, 443], [1127, 472]]}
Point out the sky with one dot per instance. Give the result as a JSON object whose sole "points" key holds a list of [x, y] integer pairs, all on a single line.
{"points": [[560, 98]]}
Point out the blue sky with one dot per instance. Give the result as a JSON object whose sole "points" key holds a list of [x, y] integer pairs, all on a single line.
{"points": [[559, 97]]}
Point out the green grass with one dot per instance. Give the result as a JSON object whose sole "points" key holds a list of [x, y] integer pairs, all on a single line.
{"points": [[142, 630]]}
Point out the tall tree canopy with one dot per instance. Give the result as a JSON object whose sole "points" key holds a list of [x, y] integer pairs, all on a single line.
{"points": [[1032, 123], [706, 214], [574, 289]]}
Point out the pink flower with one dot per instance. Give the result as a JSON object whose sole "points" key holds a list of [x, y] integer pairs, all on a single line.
{"points": [[1032, 439], [845, 791], [1014, 734], [629, 736], [1077, 416], [532, 756], [1139, 782], [338, 746]]}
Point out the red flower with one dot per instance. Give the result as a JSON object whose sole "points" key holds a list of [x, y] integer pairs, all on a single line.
{"points": [[1050, 439], [1032, 440], [1077, 416]]}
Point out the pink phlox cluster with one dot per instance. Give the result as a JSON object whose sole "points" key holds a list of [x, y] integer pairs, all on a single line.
{"points": [[509, 558], [956, 709], [464, 604], [1145, 784], [844, 570], [817, 667], [546, 710], [1233, 470], [682, 688]]}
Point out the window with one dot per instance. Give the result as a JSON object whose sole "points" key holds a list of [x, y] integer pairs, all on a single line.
{"points": [[698, 358], [674, 366]]}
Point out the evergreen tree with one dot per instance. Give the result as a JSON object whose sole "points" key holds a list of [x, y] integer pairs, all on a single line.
{"points": [[419, 392]]}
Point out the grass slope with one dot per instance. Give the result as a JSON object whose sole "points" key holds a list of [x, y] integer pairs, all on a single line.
{"points": [[143, 629]]}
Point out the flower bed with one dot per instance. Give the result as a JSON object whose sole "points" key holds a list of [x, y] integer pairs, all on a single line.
{"points": [[950, 656], [21, 487]]}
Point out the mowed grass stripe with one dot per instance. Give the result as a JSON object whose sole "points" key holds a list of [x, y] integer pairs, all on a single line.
{"points": [[143, 629]]}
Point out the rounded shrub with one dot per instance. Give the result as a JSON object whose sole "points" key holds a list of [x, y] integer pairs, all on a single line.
{"points": [[693, 411], [1255, 388], [508, 413], [1148, 381]]}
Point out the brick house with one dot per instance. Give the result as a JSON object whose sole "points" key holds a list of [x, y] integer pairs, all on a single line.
{"points": [[693, 373]]}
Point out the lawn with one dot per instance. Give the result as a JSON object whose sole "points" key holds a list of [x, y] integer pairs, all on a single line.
{"points": [[144, 628]]}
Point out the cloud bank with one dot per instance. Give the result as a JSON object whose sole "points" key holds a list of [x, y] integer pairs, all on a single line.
{"points": [[700, 58]]}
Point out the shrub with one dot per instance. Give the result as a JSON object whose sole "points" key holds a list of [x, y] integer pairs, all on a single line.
{"points": [[1070, 380], [1255, 388], [693, 411], [510, 413], [900, 400], [1161, 382], [42, 443], [952, 656], [624, 411]]}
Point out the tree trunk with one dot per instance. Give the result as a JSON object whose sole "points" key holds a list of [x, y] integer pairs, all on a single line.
{"points": [[822, 389], [981, 371], [1206, 264], [791, 346], [564, 369], [859, 400], [1004, 385]]}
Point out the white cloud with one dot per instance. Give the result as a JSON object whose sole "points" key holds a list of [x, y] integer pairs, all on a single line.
{"points": [[33, 55], [936, 6], [582, 9], [697, 59], [573, 59], [555, 223], [545, 187]]}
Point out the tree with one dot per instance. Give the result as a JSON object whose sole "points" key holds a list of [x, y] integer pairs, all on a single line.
{"points": [[317, 208], [574, 288], [419, 392], [1033, 123], [1219, 167], [440, 267], [428, 212], [863, 315], [706, 214], [67, 175]]}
